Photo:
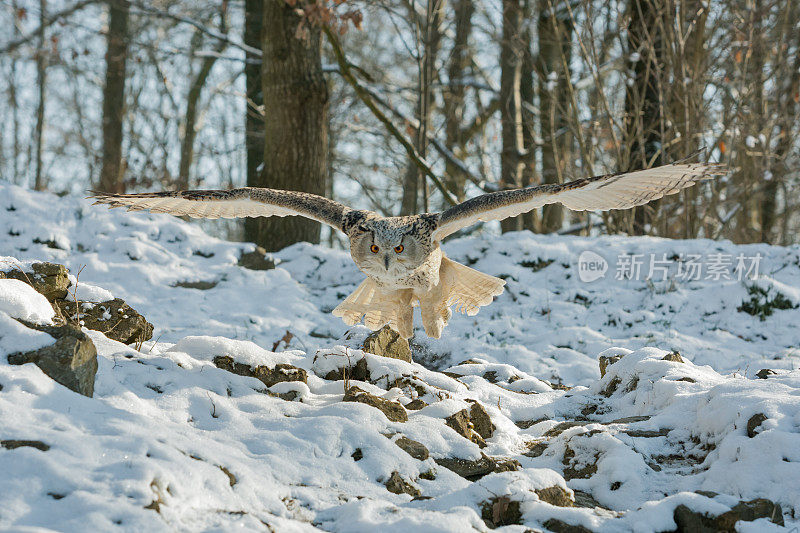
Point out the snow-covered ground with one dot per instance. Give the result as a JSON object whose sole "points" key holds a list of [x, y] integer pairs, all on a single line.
{"points": [[214, 451]]}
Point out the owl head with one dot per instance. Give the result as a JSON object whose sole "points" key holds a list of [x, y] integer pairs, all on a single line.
{"points": [[390, 247]]}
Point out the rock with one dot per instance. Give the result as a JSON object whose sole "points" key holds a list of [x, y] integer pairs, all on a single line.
{"points": [[605, 361], [561, 427], [696, 522], [256, 260], [415, 449], [473, 470], [753, 424], [398, 485], [535, 449], [124, 325], [764, 373], [357, 372], [630, 419], [14, 444], [557, 526], [268, 376], [49, 279], [201, 285], [501, 511], [357, 455], [481, 422], [393, 410], [461, 423], [584, 499], [570, 470], [70, 361], [611, 387], [415, 405], [555, 496], [388, 343], [675, 357]]}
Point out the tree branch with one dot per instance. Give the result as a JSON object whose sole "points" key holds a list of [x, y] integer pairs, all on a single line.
{"points": [[364, 95], [48, 21]]}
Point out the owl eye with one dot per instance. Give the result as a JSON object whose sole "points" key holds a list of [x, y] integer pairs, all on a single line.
{"points": [[399, 248], [374, 249]]}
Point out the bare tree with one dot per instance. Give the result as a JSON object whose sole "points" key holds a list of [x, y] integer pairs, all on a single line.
{"points": [[254, 92], [112, 171], [41, 83]]}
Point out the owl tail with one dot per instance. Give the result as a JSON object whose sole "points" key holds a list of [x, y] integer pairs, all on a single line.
{"points": [[378, 307], [467, 288]]}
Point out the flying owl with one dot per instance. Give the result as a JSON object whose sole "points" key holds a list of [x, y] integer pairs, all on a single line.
{"points": [[402, 256]]}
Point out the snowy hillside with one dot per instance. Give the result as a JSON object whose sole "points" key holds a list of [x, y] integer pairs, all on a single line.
{"points": [[504, 420]]}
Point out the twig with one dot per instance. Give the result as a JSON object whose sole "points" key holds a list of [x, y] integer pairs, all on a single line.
{"points": [[16, 43]]}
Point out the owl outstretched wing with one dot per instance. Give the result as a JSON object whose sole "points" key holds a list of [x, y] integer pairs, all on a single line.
{"points": [[599, 193], [234, 203]]}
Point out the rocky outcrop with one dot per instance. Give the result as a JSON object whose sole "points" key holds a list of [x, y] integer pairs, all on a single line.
{"points": [[70, 361], [268, 376], [388, 343], [397, 485], [49, 279], [461, 423], [394, 411], [501, 511], [415, 449], [114, 318], [474, 469], [696, 522]]}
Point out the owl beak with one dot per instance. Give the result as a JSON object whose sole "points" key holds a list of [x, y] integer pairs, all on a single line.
{"points": [[386, 261]]}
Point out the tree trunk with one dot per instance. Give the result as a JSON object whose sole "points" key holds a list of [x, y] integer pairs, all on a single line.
{"points": [[555, 35], [254, 117], [511, 59], [296, 126], [644, 118], [112, 172], [41, 81], [192, 99], [454, 95]]}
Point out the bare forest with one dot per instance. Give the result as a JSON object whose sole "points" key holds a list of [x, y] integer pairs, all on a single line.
{"points": [[409, 106]]}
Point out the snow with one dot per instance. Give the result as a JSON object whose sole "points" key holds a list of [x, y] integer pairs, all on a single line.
{"points": [[20, 300], [219, 451]]}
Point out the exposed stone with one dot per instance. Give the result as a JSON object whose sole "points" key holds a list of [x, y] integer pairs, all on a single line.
{"points": [[647, 434], [415, 449], [268, 376], [461, 423], [357, 455], [605, 361], [584, 499], [764, 373], [481, 422], [491, 376], [611, 388], [200, 285], [357, 372], [49, 279], [388, 343], [555, 496], [557, 526], [124, 325], [397, 485], [70, 361], [753, 424], [571, 469], [535, 449], [256, 260], [393, 410], [675, 357], [696, 522], [501, 511], [415, 405], [14, 444], [473, 470], [561, 427], [630, 419]]}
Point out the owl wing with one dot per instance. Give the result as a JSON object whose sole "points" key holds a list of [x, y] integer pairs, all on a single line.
{"points": [[244, 202], [599, 193]]}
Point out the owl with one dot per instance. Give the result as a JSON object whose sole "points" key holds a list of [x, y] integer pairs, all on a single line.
{"points": [[402, 256]]}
